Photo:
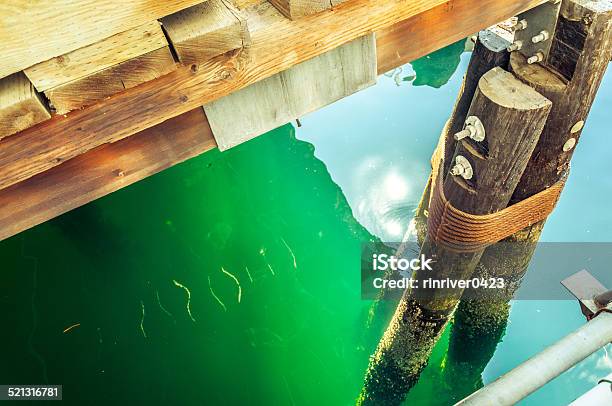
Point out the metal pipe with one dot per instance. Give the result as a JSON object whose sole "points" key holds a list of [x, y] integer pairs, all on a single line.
{"points": [[545, 366], [601, 395]]}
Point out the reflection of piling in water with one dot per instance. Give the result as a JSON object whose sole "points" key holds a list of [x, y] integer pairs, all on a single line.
{"points": [[570, 79], [513, 115], [480, 322]]}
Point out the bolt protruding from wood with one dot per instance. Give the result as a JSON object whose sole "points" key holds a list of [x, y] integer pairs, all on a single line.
{"points": [[541, 37], [515, 46], [462, 168], [520, 25], [465, 133], [538, 57], [473, 129]]}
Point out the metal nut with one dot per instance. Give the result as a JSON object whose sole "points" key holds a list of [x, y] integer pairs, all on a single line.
{"points": [[473, 129], [462, 168]]}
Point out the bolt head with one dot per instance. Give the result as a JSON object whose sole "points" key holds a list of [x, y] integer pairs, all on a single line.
{"points": [[577, 127], [462, 168], [569, 144], [478, 134]]}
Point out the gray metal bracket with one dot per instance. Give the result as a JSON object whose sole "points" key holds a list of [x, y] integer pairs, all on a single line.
{"points": [[534, 31], [594, 298]]}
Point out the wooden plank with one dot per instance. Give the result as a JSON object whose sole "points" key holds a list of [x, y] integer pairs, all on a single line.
{"points": [[303, 88], [97, 57], [184, 89], [20, 105], [72, 24], [204, 31], [447, 22], [294, 9], [88, 90], [103, 171], [242, 4]]}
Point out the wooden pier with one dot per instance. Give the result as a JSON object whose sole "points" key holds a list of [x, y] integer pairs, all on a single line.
{"points": [[114, 93]]}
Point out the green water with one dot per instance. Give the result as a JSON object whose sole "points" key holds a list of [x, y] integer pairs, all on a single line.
{"points": [[233, 278]]}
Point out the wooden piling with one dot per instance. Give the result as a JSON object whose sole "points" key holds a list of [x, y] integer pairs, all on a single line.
{"points": [[582, 47], [489, 52], [513, 115]]}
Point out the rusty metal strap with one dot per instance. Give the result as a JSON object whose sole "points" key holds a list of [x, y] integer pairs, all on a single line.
{"points": [[464, 232]]}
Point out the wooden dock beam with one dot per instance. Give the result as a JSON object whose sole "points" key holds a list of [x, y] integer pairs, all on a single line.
{"points": [[57, 140], [513, 115], [428, 24]]}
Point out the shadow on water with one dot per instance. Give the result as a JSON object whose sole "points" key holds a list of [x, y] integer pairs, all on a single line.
{"points": [[232, 278]]}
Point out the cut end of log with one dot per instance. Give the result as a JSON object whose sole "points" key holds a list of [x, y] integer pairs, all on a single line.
{"points": [[504, 89], [202, 32], [535, 74], [20, 106]]}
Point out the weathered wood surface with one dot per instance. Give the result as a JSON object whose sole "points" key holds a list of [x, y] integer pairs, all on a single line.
{"points": [[202, 32], [102, 171], [582, 59], [20, 105], [591, 52], [447, 22], [290, 94], [90, 89], [489, 52], [294, 9], [72, 24], [149, 104], [513, 115], [94, 58], [242, 4]]}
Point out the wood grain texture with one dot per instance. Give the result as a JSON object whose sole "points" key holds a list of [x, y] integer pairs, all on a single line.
{"points": [[294, 9], [571, 85], [20, 105], [277, 46], [489, 52], [242, 4], [88, 90], [102, 171], [72, 24], [447, 22], [206, 30], [96, 57], [290, 94]]}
